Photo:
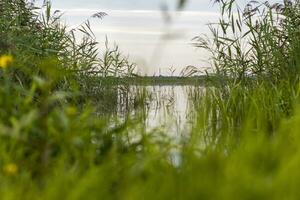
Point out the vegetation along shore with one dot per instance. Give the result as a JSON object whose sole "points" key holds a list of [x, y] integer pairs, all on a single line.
{"points": [[71, 127]]}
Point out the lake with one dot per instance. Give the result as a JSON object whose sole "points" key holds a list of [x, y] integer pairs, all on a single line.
{"points": [[170, 109]]}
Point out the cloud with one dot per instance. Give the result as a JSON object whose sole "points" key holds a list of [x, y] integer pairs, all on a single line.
{"points": [[152, 13]]}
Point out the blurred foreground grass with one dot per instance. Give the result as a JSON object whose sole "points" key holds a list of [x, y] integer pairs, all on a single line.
{"points": [[244, 142]]}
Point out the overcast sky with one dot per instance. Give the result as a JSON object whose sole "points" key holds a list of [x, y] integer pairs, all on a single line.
{"points": [[137, 26], [131, 4]]}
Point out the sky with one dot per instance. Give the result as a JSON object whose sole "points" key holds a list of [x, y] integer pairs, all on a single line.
{"points": [[139, 28], [130, 4]]}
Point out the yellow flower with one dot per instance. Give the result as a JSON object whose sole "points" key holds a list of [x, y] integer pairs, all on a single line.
{"points": [[71, 110], [10, 169], [5, 61]]}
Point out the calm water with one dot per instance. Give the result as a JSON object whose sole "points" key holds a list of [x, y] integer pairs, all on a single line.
{"points": [[169, 108]]}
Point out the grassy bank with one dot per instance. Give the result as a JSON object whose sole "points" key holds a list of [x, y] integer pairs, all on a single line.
{"points": [[62, 139], [154, 80]]}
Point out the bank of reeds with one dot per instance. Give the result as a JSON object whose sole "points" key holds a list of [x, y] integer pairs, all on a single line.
{"points": [[244, 143]]}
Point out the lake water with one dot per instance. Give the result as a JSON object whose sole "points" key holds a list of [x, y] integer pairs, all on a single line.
{"points": [[169, 108]]}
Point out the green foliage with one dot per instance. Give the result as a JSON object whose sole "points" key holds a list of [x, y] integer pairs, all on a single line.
{"points": [[255, 52], [58, 142], [261, 40]]}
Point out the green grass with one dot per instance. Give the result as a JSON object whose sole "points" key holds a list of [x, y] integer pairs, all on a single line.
{"points": [[61, 138]]}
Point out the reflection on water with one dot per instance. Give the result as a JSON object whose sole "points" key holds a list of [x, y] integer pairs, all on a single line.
{"points": [[169, 108]]}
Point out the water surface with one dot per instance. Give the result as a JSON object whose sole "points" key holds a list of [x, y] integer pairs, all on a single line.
{"points": [[167, 108]]}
